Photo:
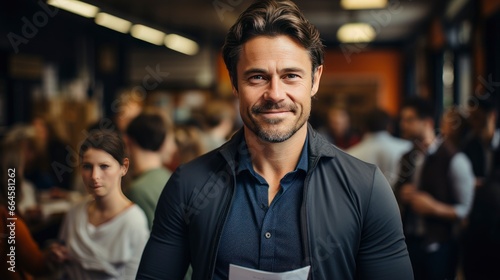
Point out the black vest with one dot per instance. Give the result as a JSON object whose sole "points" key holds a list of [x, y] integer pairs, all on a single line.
{"points": [[434, 180]]}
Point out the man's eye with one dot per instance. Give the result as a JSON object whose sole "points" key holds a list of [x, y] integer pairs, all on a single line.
{"points": [[257, 77], [292, 76]]}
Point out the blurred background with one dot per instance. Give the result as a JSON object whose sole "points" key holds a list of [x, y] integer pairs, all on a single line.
{"points": [[72, 62], [68, 66]]}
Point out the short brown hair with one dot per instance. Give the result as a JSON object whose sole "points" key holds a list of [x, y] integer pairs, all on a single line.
{"points": [[271, 18], [148, 130]]}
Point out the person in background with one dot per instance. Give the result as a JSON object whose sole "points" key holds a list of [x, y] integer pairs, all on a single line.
{"points": [[435, 189], [481, 238], [483, 149], [218, 118], [150, 138], [43, 224], [127, 106], [28, 260], [454, 128], [102, 238], [378, 146], [277, 196], [51, 148], [338, 128], [151, 142], [189, 144], [23, 136]]}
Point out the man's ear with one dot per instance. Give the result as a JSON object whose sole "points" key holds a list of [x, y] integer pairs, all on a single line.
{"points": [[235, 91], [316, 80]]}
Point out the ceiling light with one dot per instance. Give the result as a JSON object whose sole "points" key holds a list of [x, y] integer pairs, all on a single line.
{"points": [[77, 7], [363, 4], [181, 44], [147, 34], [112, 22], [356, 33]]}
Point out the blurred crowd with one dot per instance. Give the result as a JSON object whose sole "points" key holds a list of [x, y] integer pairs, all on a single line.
{"points": [[445, 176], [50, 182]]}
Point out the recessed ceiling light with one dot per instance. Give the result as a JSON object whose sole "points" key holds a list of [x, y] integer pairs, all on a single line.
{"points": [[113, 22], [77, 7], [356, 33], [363, 4], [181, 44], [147, 34]]}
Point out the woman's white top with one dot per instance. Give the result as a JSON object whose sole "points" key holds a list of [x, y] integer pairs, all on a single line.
{"points": [[111, 250]]}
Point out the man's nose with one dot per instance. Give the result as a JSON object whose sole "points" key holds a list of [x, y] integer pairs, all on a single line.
{"points": [[275, 90]]}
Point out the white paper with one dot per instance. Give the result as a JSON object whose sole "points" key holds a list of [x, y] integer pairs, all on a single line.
{"points": [[237, 272]]}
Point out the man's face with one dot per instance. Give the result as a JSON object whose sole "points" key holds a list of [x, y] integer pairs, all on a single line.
{"points": [[274, 76], [412, 127]]}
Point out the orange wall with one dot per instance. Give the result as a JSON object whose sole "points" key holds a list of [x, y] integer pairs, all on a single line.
{"points": [[224, 87], [488, 7], [384, 65]]}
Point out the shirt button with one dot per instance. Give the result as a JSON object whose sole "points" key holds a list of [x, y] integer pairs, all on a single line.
{"points": [[268, 235]]}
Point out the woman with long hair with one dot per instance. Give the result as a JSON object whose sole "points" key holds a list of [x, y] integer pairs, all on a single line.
{"points": [[103, 237]]}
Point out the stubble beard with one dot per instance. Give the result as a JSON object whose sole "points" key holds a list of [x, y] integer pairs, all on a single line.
{"points": [[275, 133]]}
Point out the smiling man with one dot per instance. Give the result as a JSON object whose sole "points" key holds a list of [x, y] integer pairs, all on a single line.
{"points": [[277, 197]]}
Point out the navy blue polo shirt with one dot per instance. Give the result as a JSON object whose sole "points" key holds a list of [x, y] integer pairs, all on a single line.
{"points": [[258, 235]]}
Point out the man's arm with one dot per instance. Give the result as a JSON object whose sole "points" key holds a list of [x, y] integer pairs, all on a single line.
{"points": [[462, 179], [382, 253], [166, 253]]}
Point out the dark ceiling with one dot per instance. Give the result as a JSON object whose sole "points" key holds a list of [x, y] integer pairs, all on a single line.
{"points": [[207, 21], [212, 18]]}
